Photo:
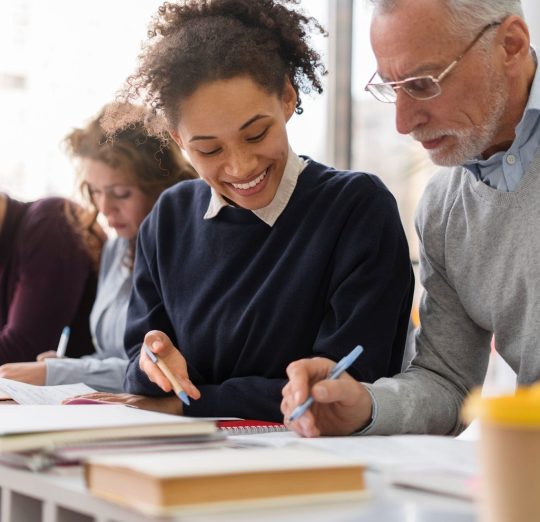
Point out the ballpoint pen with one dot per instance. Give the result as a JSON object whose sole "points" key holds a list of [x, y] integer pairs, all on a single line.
{"points": [[336, 371], [182, 395], [62, 344]]}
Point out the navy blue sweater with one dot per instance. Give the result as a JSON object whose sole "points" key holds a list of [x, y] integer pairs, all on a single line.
{"points": [[242, 299]]}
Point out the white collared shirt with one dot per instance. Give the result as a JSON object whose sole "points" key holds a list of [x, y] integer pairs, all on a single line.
{"points": [[269, 214]]}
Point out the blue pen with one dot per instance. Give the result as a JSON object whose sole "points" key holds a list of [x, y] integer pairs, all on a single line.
{"points": [[336, 371], [182, 395], [62, 345]]}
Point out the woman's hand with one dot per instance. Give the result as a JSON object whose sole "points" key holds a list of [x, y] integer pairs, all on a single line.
{"points": [[160, 344], [171, 405], [50, 354], [29, 372]]}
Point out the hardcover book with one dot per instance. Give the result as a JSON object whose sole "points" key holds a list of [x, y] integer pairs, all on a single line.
{"points": [[160, 483]]}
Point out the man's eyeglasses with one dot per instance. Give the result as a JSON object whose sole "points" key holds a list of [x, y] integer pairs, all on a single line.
{"points": [[419, 87]]}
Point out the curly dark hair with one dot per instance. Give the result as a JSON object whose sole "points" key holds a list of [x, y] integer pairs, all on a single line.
{"points": [[198, 41], [154, 165]]}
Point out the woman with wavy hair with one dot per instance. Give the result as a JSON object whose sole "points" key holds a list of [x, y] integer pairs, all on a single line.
{"points": [[121, 176]]}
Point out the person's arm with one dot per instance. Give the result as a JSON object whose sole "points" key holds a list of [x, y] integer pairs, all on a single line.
{"points": [[371, 290], [379, 287], [452, 350], [239, 397], [104, 370], [28, 372], [101, 374], [252, 397], [104, 375], [426, 398], [54, 270], [146, 312], [452, 356]]}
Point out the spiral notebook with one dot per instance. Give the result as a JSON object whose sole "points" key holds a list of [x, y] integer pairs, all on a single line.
{"points": [[249, 427]]}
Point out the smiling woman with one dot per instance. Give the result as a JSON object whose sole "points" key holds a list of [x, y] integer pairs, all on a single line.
{"points": [[234, 133], [270, 256]]}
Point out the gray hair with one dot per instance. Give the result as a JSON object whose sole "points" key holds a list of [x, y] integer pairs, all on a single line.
{"points": [[467, 17]]}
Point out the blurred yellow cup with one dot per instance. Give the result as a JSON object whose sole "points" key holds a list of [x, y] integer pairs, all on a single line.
{"points": [[509, 454]]}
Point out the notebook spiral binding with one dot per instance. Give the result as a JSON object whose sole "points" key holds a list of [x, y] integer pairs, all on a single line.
{"points": [[249, 426], [253, 430]]}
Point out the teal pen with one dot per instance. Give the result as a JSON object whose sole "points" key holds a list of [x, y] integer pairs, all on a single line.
{"points": [[182, 395], [336, 371]]}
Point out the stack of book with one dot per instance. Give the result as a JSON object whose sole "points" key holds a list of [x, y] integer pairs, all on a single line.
{"points": [[138, 458], [43, 435]]}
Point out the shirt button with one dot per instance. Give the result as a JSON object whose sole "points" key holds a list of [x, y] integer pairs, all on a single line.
{"points": [[510, 159]]}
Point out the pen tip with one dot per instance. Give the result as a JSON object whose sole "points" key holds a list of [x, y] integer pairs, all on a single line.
{"points": [[183, 397]]}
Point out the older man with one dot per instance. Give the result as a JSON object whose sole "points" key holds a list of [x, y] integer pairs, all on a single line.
{"points": [[463, 78]]}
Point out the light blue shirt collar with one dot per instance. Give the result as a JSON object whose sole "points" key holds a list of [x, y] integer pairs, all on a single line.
{"points": [[504, 170]]}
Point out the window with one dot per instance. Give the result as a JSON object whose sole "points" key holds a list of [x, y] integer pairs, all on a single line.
{"points": [[60, 63], [401, 163]]}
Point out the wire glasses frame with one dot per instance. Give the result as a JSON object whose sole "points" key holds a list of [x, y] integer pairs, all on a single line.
{"points": [[419, 87]]}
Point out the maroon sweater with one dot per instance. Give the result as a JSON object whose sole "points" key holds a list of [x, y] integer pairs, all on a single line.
{"points": [[46, 282]]}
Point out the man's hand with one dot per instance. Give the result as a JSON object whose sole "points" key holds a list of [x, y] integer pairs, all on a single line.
{"points": [[29, 372], [160, 344], [340, 407]]}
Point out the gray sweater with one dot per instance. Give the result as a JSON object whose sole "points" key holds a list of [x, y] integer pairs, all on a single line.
{"points": [[480, 269], [104, 370]]}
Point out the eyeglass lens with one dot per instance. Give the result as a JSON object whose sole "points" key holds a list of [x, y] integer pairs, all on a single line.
{"points": [[422, 88]]}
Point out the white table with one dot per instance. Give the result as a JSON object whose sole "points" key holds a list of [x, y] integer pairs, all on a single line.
{"points": [[60, 496]]}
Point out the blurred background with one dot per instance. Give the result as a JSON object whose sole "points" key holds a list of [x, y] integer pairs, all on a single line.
{"points": [[62, 60]]}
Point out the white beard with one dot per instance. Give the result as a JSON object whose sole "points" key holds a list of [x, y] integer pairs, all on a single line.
{"points": [[469, 143]]}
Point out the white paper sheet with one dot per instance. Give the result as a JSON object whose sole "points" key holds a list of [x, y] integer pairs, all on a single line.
{"points": [[442, 465], [390, 453], [30, 394]]}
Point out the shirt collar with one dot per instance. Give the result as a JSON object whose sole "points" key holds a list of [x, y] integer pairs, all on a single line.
{"points": [[523, 128], [533, 103], [269, 214]]}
